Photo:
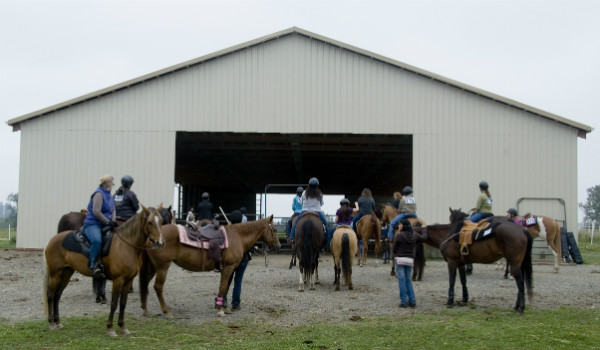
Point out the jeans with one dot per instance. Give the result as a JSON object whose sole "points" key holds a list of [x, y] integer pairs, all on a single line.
{"points": [[288, 227], [476, 217], [94, 235], [355, 220], [236, 276], [407, 293], [396, 220], [321, 215]]}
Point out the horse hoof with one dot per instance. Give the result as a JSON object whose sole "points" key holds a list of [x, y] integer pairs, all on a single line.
{"points": [[111, 333], [317, 282], [125, 331], [301, 289], [59, 326], [169, 315], [52, 327], [312, 287], [350, 287], [221, 313], [337, 288]]}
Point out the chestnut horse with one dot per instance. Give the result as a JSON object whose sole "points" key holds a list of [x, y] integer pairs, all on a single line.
{"points": [[509, 240], [310, 237], [343, 248], [241, 238], [368, 227], [121, 264], [547, 228], [389, 213]]}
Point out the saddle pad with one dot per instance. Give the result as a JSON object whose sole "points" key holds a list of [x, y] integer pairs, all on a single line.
{"points": [[531, 221], [75, 241], [478, 234], [184, 239]]}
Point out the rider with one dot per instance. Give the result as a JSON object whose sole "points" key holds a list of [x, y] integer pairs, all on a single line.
{"points": [[312, 200], [101, 213], [191, 217], [484, 203], [205, 208], [126, 202], [243, 210], [343, 216], [407, 208], [397, 198], [365, 206], [296, 207]]}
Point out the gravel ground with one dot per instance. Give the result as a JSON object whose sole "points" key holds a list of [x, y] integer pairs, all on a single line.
{"points": [[270, 293]]}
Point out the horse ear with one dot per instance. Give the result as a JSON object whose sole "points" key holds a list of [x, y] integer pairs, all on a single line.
{"points": [[159, 207], [144, 209], [271, 218], [450, 208], [169, 207]]}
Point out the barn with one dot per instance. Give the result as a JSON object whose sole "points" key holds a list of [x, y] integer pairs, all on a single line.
{"points": [[281, 109]]}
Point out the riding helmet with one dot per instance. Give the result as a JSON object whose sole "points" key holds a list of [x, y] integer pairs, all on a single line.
{"points": [[127, 181], [235, 217], [205, 195], [313, 182], [344, 201], [512, 211], [243, 210], [299, 190], [483, 185], [407, 190]]}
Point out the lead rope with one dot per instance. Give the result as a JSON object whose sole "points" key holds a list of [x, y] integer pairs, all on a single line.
{"points": [[131, 244]]}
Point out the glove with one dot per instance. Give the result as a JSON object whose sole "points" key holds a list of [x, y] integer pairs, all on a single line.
{"points": [[113, 224]]}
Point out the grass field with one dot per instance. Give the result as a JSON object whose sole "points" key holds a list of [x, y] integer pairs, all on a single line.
{"points": [[564, 328], [4, 242]]}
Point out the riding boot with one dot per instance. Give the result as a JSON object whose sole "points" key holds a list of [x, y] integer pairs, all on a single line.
{"points": [[97, 271]]}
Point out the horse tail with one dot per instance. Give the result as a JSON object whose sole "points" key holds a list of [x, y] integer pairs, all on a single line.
{"points": [[346, 264], [46, 284], [526, 266], [376, 233], [307, 228]]}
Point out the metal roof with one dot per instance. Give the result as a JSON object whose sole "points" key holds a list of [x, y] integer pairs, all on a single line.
{"points": [[582, 128]]}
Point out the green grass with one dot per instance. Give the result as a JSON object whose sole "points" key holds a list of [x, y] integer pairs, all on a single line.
{"points": [[590, 252], [4, 242], [563, 328]]}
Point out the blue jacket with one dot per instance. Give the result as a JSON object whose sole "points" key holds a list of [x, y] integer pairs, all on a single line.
{"points": [[297, 204], [107, 207]]}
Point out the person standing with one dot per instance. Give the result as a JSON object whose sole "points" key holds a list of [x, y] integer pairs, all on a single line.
{"points": [[101, 213], [205, 209], [126, 201], [237, 276], [483, 207], [404, 251]]}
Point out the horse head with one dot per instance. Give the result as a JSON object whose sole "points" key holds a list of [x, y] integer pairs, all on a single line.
{"points": [[166, 215], [270, 234], [151, 222], [456, 215]]}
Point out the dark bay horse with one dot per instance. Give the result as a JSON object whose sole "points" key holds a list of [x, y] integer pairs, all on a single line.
{"points": [[510, 241], [71, 221], [121, 264], [343, 248], [241, 238], [368, 227], [310, 237]]}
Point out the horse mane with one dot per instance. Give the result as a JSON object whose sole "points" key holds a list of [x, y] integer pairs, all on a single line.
{"points": [[131, 225], [244, 228]]}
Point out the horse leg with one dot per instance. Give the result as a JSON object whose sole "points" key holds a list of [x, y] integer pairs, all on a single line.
{"points": [[116, 293], [63, 281], [451, 280], [336, 271], [226, 273], [317, 272], [159, 282], [393, 272], [463, 281], [147, 272], [311, 278], [515, 270], [301, 282], [123, 303]]}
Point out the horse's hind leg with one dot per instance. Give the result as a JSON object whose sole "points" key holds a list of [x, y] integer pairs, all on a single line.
{"points": [[123, 303], [159, 282], [65, 277], [515, 270], [317, 272], [463, 281]]}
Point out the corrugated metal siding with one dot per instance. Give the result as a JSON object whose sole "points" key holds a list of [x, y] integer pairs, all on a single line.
{"points": [[294, 85]]}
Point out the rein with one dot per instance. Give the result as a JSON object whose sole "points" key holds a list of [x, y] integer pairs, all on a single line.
{"points": [[131, 244]]}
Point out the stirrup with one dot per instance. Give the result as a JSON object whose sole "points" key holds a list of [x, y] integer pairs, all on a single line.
{"points": [[464, 250]]}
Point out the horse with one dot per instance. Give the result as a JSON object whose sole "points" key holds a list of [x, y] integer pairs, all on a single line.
{"points": [[509, 240], [241, 237], [71, 221], [293, 245], [389, 213], [343, 248], [121, 264], [547, 228], [310, 237], [368, 227]]}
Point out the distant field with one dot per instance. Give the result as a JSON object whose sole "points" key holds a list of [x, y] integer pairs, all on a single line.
{"points": [[4, 242]]}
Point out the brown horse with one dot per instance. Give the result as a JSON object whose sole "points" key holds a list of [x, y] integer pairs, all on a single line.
{"points": [[548, 229], [510, 241], [241, 238], [389, 213], [368, 227], [121, 264], [343, 248], [71, 221], [310, 237]]}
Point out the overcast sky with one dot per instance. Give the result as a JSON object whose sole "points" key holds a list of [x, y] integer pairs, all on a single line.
{"points": [[541, 53]]}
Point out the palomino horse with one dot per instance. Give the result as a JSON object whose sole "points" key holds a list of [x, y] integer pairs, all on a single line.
{"points": [[548, 229], [343, 248], [389, 213], [368, 227], [310, 237], [508, 240], [241, 238], [121, 264]]}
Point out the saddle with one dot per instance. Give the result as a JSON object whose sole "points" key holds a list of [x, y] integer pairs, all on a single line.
{"points": [[474, 231], [526, 220], [211, 237], [77, 242]]}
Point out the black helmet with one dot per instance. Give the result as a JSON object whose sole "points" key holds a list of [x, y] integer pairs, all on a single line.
{"points": [[313, 182], [205, 195], [243, 210], [344, 201], [407, 190], [299, 190], [235, 217], [512, 211], [127, 181], [483, 185]]}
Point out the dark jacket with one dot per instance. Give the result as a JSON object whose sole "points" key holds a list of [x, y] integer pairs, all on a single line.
{"points": [[405, 242], [205, 211], [126, 203], [366, 205]]}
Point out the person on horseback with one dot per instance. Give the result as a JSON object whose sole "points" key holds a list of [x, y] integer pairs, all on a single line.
{"points": [[296, 208], [243, 210], [365, 206], [101, 213], [343, 216], [512, 213], [407, 207], [126, 202], [191, 217], [397, 198], [483, 207], [312, 200], [205, 208]]}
